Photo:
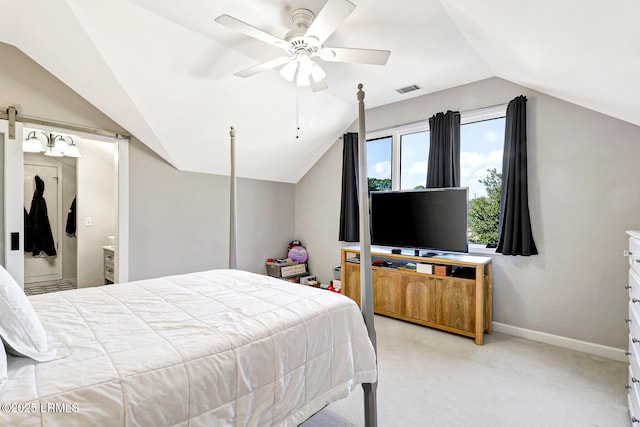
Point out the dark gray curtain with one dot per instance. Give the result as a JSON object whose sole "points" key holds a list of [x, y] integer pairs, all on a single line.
{"points": [[515, 237], [443, 168], [349, 208]]}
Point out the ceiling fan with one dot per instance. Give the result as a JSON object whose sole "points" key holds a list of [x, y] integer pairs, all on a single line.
{"points": [[305, 43]]}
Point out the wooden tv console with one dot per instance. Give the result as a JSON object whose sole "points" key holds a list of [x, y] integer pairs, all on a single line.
{"points": [[458, 302]]}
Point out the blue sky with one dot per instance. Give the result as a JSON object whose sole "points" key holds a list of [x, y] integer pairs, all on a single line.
{"points": [[481, 149]]}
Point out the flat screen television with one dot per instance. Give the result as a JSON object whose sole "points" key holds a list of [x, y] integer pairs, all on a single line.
{"points": [[433, 219]]}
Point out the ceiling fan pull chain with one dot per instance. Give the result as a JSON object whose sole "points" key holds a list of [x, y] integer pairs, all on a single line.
{"points": [[297, 114]]}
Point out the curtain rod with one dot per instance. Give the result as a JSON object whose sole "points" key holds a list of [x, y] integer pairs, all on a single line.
{"points": [[426, 119], [79, 128]]}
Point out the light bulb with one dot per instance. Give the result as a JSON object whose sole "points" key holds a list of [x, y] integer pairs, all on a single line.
{"points": [[317, 73], [289, 70], [60, 145], [52, 153], [305, 65], [72, 151], [32, 144], [303, 79]]}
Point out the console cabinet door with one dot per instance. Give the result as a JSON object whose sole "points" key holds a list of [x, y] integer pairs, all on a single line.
{"points": [[419, 300], [351, 282], [455, 303], [386, 291]]}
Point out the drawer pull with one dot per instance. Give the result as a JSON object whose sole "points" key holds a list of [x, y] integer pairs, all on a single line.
{"points": [[635, 420], [627, 286], [626, 319], [627, 386], [634, 300], [627, 353], [635, 260], [627, 253], [635, 340], [635, 380]]}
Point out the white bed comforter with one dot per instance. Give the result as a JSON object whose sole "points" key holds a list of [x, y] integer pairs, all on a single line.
{"points": [[215, 348]]}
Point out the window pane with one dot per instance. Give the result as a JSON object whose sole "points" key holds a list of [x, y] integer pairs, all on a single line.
{"points": [[414, 154], [481, 145], [379, 163]]}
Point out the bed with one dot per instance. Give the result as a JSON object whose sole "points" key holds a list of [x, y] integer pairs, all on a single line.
{"points": [[212, 348], [221, 347]]}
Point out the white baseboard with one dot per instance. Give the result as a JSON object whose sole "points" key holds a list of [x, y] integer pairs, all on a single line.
{"points": [[570, 343]]}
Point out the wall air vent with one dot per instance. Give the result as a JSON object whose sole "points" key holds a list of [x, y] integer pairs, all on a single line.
{"points": [[411, 88]]}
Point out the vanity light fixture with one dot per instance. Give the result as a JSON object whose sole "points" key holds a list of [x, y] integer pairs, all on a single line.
{"points": [[57, 145]]}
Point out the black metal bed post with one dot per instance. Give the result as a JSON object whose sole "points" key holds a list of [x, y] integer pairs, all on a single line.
{"points": [[366, 291], [233, 226]]}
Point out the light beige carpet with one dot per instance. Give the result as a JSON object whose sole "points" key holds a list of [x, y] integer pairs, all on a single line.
{"points": [[433, 378]]}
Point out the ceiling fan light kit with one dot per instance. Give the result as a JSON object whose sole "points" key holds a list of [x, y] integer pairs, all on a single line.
{"points": [[305, 42]]}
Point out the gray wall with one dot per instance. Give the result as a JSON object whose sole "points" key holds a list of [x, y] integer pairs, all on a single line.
{"points": [[96, 200], [583, 174], [179, 221]]}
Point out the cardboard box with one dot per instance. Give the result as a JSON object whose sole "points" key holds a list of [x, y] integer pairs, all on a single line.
{"points": [[424, 268], [442, 270], [287, 269]]}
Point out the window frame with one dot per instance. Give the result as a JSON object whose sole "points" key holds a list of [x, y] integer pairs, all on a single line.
{"points": [[396, 132]]}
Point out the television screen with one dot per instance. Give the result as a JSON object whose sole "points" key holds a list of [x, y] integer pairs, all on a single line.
{"points": [[434, 219]]}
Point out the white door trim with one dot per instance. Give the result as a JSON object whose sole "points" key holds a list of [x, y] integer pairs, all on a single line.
{"points": [[121, 179], [13, 195], [122, 219]]}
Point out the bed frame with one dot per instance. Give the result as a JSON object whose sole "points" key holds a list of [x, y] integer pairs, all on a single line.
{"points": [[366, 298]]}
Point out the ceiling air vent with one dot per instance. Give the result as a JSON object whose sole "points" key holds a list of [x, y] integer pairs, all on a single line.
{"points": [[411, 88]]}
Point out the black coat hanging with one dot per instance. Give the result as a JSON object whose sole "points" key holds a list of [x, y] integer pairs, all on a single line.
{"points": [[28, 232], [39, 220], [71, 218]]}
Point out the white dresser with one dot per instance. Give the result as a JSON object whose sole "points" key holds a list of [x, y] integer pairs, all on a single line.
{"points": [[633, 384], [109, 257]]}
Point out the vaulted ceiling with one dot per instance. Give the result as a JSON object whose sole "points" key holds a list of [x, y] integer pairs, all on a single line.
{"points": [[164, 70]]}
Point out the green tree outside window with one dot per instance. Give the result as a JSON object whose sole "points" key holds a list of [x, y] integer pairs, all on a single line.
{"points": [[484, 211]]}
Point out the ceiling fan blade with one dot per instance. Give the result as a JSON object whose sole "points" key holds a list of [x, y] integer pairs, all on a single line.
{"points": [[329, 19], [316, 87], [274, 63], [358, 56], [250, 30]]}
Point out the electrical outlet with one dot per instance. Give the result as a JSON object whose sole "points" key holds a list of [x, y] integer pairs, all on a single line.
{"points": [[88, 221]]}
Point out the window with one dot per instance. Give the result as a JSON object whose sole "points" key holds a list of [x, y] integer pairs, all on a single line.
{"points": [[397, 160], [414, 155], [481, 146], [379, 163]]}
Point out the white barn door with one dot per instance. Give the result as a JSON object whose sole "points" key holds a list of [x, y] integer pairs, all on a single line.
{"points": [[13, 230]]}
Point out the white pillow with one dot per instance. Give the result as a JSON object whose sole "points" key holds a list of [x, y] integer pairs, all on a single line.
{"points": [[20, 327], [3, 367]]}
